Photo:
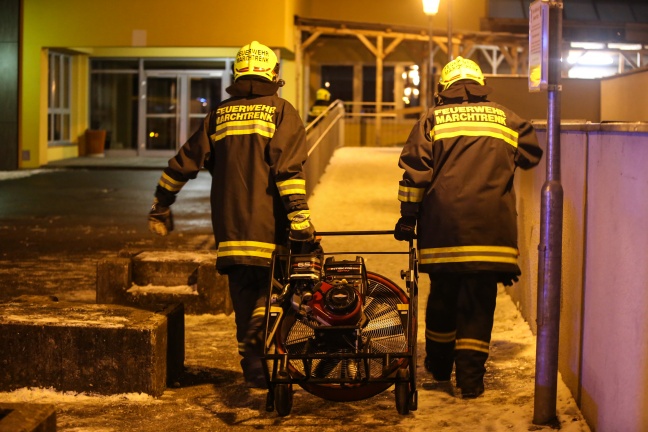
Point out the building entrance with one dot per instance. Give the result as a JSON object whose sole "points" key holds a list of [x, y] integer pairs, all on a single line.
{"points": [[173, 106]]}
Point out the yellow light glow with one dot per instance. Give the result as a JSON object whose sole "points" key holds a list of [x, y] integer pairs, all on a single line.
{"points": [[431, 7]]}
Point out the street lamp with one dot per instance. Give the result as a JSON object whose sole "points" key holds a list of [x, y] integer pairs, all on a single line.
{"points": [[430, 8]]}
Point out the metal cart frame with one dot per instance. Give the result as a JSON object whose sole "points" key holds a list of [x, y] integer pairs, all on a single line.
{"points": [[276, 365]]}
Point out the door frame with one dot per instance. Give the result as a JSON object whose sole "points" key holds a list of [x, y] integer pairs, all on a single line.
{"points": [[183, 77]]}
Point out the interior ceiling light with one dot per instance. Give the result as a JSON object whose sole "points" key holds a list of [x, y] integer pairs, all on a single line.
{"points": [[588, 45], [625, 47], [590, 58], [590, 72]]}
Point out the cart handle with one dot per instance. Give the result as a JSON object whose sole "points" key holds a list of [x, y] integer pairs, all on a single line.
{"points": [[343, 233], [335, 233]]}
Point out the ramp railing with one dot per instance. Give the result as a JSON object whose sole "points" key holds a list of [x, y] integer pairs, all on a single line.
{"points": [[324, 135], [389, 126]]}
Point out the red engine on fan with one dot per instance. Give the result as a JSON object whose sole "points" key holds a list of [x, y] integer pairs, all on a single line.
{"points": [[339, 304]]}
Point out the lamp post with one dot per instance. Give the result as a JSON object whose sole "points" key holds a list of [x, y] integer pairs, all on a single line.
{"points": [[450, 48], [430, 8]]}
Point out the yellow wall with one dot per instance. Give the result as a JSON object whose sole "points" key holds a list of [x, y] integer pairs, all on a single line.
{"points": [[126, 28], [160, 23]]}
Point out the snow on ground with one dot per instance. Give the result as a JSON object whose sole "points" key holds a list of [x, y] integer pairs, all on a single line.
{"points": [[12, 175], [357, 192]]}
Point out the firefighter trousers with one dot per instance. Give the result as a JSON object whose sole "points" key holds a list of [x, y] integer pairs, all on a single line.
{"points": [[459, 322], [248, 287]]}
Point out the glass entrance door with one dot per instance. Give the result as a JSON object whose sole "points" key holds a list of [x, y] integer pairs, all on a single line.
{"points": [[176, 102]]}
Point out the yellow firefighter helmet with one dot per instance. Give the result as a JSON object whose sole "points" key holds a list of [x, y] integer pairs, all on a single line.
{"points": [[256, 59], [323, 94], [459, 69]]}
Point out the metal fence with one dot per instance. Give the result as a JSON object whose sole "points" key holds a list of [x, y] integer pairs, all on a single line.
{"points": [[324, 135], [387, 127]]}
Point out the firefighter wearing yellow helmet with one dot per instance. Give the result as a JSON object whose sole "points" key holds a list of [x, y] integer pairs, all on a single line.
{"points": [[254, 146], [460, 69], [255, 59], [323, 95], [457, 194]]}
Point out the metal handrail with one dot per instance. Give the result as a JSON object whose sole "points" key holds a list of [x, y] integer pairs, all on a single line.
{"points": [[323, 135]]}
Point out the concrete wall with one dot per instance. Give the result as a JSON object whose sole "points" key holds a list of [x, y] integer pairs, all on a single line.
{"points": [[619, 96], [580, 98], [603, 354]]}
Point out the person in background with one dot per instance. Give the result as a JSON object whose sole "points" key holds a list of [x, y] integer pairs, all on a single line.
{"points": [[322, 101], [253, 144], [457, 192]]}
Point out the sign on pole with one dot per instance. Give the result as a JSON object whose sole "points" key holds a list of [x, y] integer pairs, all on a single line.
{"points": [[538, 45]]}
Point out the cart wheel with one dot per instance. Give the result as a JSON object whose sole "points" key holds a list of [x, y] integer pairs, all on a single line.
{"points": [[283, 396], [402, 392], [384, 324]]}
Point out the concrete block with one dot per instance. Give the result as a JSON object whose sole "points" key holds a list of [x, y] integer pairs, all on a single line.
{"points": [[23, 417], [112, 275], [104, 349], [153, 277]]}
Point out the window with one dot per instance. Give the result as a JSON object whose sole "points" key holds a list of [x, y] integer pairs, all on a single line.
{"points": [[340, 82], [369, 84], [58, 101], [114, 105]]}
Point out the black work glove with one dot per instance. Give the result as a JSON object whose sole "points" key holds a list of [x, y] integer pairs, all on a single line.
{"points": [[312, 247], [160, 219], [507, 279], [404, 229], [301, 228]]}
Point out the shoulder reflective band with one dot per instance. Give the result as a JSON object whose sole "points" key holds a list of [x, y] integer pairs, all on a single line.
{"points": [[246, 248], [410, 194], [456, 129], [292, 187], [472, 344], [169, 184], [500, 254]]}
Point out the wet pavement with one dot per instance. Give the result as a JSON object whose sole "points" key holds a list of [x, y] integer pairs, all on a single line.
{"points": [[56, 224]]}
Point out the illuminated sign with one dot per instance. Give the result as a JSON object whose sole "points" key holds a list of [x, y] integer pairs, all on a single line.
{"points": [[538, 45]]}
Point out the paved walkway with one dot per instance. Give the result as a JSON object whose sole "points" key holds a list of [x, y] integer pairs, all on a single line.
{"points": [[57, 224]]}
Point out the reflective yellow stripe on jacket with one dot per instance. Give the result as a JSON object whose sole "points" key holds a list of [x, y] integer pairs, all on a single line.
{"points": [[246, 248], [501, 254], [494, 130], [292, 187], [244, 127], [170, 184], [410, 194]]}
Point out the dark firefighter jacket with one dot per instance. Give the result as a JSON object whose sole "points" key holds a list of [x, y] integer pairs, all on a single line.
{"points": [[254, 146], [318, 108], [459, 162]]}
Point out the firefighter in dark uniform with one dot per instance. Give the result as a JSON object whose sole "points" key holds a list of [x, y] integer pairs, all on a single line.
{"points": [[254, 146], [322, 101], [457, 186]]}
